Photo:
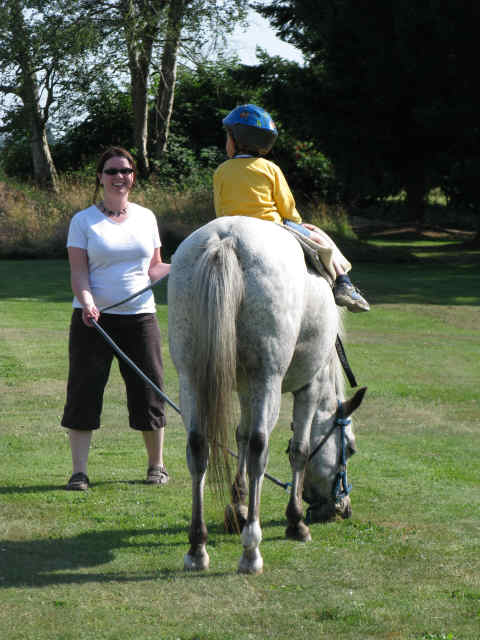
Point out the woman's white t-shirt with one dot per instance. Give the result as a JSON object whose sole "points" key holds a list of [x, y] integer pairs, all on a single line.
{"points": [[119, 256]]}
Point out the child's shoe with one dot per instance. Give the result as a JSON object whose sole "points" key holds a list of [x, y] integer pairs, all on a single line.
{"points": [[347, 295]]}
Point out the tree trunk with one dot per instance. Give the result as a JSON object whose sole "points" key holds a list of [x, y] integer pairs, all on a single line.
{"points": [[139, 71], [141, 24], [44, 171], [43, 166], [168, 74], [416, 188]]}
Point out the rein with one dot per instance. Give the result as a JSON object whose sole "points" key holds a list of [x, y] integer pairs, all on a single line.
{"points": [[123, 355], [342, 488], [342, 356], [134, 295]]}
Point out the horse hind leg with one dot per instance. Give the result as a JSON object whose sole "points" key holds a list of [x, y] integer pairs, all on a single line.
{"points": [[236, 512], [251, 561], [265, 406], [197, 558]]}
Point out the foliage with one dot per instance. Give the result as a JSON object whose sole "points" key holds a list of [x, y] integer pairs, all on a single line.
{"points": [[17, 155], [35, 223], [386, 102], [207, 94], [42, 47], [398, 80], [460, 184], [108, 122]]}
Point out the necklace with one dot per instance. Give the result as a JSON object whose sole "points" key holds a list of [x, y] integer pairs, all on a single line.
{"points": [[109, 212]]}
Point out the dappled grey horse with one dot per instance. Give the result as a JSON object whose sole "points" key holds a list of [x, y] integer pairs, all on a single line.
{"points": [[246, 314]]}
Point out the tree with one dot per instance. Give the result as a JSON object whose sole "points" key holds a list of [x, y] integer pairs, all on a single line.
{"points": [[168, 75], [141, 20], [190, 22], [134, 27], [39, 45], [154, 31], [400, 85]]}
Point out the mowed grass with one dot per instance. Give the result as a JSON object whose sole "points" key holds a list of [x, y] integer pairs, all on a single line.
{"points": [[107, 564]]}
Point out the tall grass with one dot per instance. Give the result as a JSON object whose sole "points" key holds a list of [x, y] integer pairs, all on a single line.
{"points": [[34, 223]]}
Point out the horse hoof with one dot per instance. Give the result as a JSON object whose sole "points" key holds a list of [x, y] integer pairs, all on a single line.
{"points": [[251, 563], [250, 571], [198, 562], [255, 569], [235, 518], [299, 532]]}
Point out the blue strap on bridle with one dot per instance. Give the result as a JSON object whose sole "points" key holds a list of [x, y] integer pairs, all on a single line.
{"points": [[342, 488]]}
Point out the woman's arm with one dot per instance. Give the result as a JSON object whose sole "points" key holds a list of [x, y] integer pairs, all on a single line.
{"points": [[81, 283], [157, 268]]}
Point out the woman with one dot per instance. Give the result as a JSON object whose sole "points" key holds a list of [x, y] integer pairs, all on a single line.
{"points": [[114, 251]]}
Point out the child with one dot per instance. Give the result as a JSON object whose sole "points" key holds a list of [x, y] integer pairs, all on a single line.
{"points": [[249, 185]]}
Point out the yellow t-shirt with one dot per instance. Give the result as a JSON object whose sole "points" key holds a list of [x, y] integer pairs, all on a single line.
{"points": [[253, 187]]}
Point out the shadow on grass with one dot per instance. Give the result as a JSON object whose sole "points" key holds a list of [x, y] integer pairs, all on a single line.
{"points": [[443, 274], [60, 561], [411, 267], [70, 560], [46, 280], [436, 280]]}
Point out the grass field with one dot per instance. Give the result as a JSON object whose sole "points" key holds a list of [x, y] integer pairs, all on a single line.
{"points": [[107, 564]]}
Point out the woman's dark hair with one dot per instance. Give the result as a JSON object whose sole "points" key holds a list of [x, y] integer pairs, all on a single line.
{"points": [[113, 152]]}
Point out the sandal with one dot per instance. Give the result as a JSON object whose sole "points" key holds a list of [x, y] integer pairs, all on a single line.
{"points": [[157, 475], [78, 482]]}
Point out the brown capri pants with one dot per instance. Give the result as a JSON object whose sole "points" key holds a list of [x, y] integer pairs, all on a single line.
{"points": [[90, 362]]}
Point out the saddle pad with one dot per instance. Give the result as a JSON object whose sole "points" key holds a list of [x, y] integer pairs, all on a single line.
{"points": [[313, 254]]}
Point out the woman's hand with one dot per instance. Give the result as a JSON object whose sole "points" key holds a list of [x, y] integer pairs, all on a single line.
{"points": [[157, 269], [81, 284], [88, 313]]}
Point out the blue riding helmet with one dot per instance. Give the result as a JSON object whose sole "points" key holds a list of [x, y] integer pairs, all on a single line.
{"points": [[252, 129]]}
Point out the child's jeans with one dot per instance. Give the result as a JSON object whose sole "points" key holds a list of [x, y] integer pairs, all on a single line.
{"points": [[298, 227], [332, 258]]}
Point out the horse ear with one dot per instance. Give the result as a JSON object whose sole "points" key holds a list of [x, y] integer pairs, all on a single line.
{"points": [[349, 406]]}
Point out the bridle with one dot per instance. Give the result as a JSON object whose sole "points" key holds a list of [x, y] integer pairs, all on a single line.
{"points": [[341, 488]]}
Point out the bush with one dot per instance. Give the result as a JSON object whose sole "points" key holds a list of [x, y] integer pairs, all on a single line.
{"points": [[17, 157]]}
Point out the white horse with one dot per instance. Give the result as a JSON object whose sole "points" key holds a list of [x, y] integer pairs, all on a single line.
{"points": [[244, 313]]}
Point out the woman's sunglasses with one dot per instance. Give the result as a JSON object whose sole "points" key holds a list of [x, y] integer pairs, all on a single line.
{"points": [[124, 171]]}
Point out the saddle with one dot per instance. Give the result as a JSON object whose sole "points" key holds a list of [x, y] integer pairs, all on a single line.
{"points": [[313, 254]]}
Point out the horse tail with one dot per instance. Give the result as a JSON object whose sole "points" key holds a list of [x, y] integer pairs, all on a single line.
{"points": [[218, 288]]}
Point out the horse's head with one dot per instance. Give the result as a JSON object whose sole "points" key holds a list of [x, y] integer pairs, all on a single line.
{"points": [[332, 443]]}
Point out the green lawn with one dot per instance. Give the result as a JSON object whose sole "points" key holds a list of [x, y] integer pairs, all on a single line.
{"points": [[107, 564]]}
